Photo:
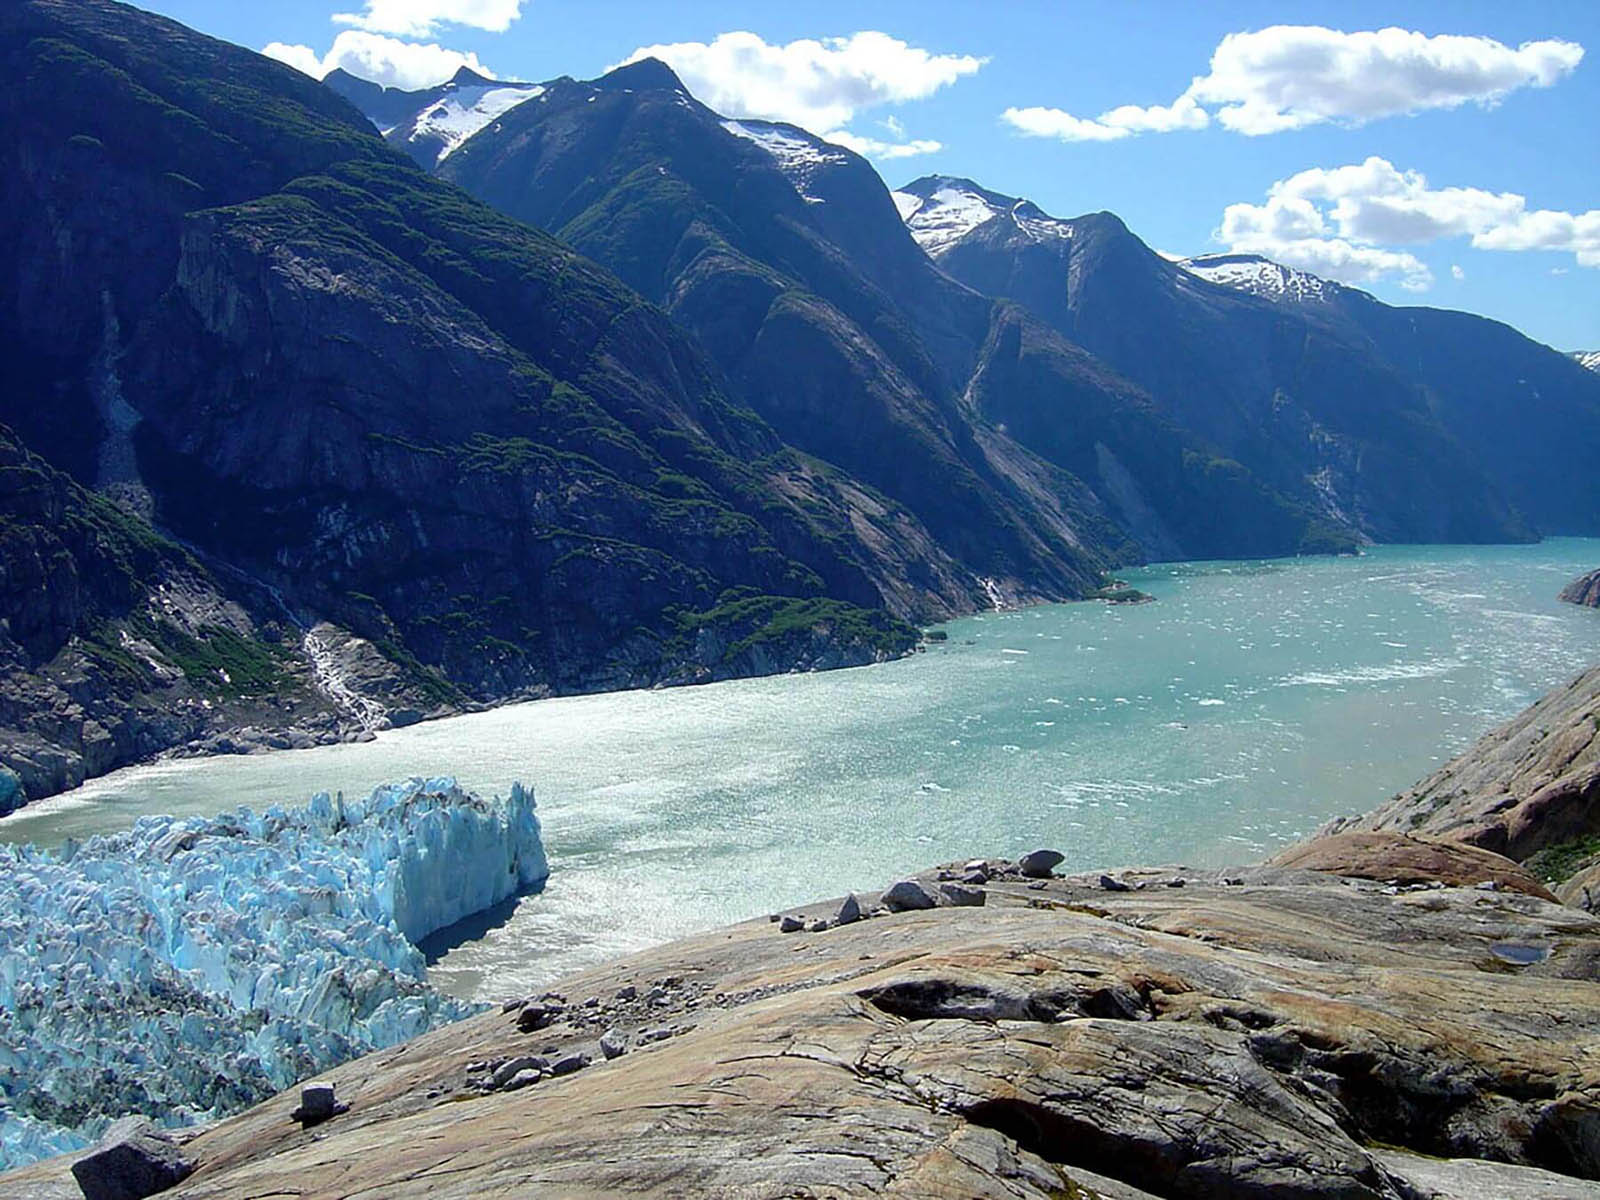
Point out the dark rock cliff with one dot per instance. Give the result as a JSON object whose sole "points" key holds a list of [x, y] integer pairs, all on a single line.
{"points": [[367, 400]]}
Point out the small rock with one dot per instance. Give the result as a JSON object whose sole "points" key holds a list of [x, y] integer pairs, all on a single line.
{"points": [[849, 911], [474, 1067], [522, 1079], [655, 1035], [976, 878], [906, 895], [1113, 885], [134, 1159], [1038, 864], [533, 1017], [962, 896], [512, 1067], [1038, 885], [511, 1006], [946, 874], [627, 993], [1176, 882], [569, 1064], [789, 923], [317, 1104], [613, 1044], [592, 1002], [977, 864]]}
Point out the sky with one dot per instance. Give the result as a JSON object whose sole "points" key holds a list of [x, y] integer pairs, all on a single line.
{"points": [[1443, 153]]}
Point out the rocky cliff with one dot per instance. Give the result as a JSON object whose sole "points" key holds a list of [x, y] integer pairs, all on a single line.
{"points": [[1529, 790], [405, 441], [1583, 590]]}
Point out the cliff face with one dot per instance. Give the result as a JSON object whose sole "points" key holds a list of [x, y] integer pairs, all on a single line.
{"points": [[361, 400], [1583, 590], [1530, 787]]}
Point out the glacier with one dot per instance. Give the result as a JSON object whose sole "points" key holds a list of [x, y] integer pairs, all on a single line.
{"points": [[194, 966]]}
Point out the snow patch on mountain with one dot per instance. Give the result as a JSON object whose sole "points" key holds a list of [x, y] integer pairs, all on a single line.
{"points": [[463, 110], [1589, 359], [193, 967], [951, 210], [1260, 277], [800, 155]]}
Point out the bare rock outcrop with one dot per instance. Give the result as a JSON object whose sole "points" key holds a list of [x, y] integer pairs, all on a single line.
{"points": [[1531, 785], [1583, 590], [1403, 858]]}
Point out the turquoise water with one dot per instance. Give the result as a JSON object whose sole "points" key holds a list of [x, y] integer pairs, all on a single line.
{"points": [[1245, 706]]}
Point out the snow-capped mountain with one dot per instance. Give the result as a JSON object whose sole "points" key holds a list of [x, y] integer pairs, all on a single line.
{"points": [[940, 210], [1260, 277], [430, 125], [1588, 358], [799, 155]]}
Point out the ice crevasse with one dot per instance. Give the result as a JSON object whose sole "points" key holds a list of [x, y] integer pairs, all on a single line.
{"points": [[194, 966]]}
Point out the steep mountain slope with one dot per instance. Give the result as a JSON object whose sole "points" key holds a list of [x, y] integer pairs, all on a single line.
{"points": [[784, 255], [231, 306], [1411, 424]]}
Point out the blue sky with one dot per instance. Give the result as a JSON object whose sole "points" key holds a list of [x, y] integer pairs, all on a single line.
{"points": [[1428, 169]]}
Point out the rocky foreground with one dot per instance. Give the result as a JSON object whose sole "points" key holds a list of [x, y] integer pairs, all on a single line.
{"points": [[1272, 1032]]}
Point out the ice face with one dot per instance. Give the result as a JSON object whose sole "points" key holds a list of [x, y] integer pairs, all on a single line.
{"points": [[192, 967]]}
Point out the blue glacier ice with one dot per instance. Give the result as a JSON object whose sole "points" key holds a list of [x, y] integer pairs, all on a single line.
{"points": [[192, 967]]}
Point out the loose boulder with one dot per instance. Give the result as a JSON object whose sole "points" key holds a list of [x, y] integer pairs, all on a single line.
{"points": [[135, 1159], [1038, 864], [907, 895]]}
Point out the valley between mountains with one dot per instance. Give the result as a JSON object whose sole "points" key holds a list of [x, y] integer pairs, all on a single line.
{"points": [[329, 408]]}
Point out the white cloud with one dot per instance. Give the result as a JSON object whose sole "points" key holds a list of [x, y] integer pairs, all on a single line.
{"points": [[1346, 218], [816, 84], [385, 60], [423, 18], [873, 148], [1052, 122], [1291, 76], [1456, 272], [1109, 126]]}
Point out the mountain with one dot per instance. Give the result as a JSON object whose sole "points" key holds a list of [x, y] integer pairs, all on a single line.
{"points": [[361, 401], [430, 124], [1409, 424], [783, 255]]}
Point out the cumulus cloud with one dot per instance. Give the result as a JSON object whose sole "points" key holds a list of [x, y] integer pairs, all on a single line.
{"points": [[423, 18], [385, 60], [1456, 272], [1290, 76], [1343, 222], [816, 84]]}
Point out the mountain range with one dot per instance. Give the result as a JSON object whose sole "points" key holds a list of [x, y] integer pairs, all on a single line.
{"points": [[373, 404]]}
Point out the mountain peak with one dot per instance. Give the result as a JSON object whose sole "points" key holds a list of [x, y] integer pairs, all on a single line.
{"points": [[1259, 276], [645, 74], [467, 77]]}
